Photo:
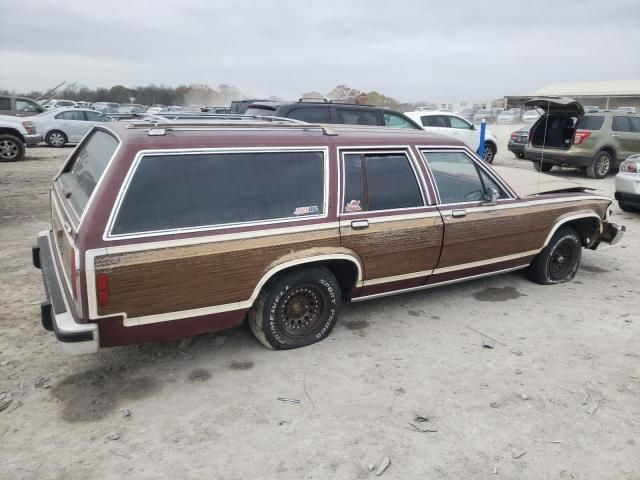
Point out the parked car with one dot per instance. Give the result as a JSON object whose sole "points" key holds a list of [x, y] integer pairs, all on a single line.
{"points": [[106, 107], [241, 106], [16, 134], [530, 116], [51, 104], [507, 117], [456, 127], [333, 112], [19, 106], [628, 184], [467, 113], [626, 109], [67, 125], [482, 114], [131, 108], [566, 136], [171, 232], [590, 108], [518, 140], [217, 110]]}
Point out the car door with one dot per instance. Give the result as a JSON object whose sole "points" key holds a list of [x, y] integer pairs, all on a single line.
{"points": [[387, 218], [479, 237], [628, 140], [71, 122], [465, 132], [635, 128]]}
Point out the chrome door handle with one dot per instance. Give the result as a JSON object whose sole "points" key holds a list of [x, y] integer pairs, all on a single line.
{"points": [[360, 224], [615, 135], [458, 213]]}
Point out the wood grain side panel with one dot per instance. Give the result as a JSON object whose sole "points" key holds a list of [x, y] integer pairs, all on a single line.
{"points": [[395, 248], [63, 244], [184, 278]]}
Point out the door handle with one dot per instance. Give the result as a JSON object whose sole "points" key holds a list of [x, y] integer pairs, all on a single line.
{"points": [[360, 224], [458, 213], [615, 135]]}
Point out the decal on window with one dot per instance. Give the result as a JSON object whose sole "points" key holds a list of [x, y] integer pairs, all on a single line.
{"points": [[306, 210], [353, 206]]}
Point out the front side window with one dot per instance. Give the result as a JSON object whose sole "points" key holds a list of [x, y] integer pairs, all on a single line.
{"points": [[377, 181], [95, 117], [621, 124], [393, 120], [70, 115], [459, 123], [458, 179], [356, 116], [440, 121], [171, 192], [311, 114], [26, 106]]}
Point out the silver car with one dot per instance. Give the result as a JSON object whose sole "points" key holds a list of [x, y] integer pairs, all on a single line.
{"points": [[628, 184], [67, 125]]}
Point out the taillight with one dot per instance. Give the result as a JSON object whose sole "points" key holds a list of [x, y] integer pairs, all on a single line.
{"points": [[514, 136], [102, 282], [29, 127], [580, 137], [630, 167]]}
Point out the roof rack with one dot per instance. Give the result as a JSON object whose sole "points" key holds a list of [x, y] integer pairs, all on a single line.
{"points": [[160, 128]]}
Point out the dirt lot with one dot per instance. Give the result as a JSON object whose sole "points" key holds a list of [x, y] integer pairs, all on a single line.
{"points": [[557, 398]]}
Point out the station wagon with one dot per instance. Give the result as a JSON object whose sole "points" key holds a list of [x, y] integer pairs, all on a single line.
{"points": [[170, 231]]}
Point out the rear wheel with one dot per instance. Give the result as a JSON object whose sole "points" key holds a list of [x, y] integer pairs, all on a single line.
{"points": [[519, 155], [11, 148], [542, 167], [558, 262], [296, 309], [600, 166], [56, 138], [489, 152], [626, 207]]}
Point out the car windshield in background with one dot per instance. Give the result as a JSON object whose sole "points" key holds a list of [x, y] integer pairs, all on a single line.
{"points": [[590, 122], [80, 176]]}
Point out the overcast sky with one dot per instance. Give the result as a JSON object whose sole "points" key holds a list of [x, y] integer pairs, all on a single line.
{"points": [[410, 50]]}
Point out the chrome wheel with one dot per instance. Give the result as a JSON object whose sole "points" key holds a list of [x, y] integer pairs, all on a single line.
{"points": [[488, 153], [603, 165], [9, 149], [56, 139], [300, 310]]}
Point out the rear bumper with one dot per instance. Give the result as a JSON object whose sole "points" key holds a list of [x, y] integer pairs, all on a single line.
{"points": [[33, 139], [612, 233], [632, 199], [516, 147], [75, 338], [558, 158]]}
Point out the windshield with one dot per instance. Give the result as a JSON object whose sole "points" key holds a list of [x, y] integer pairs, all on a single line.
{"points": [[82, 173]]}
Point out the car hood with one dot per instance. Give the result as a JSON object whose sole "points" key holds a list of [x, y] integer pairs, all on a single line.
{"points": [[556, 105], [527, 183], [12, 119]]}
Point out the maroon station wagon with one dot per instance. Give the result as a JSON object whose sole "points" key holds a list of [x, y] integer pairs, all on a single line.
{"points": [[169, 231]]}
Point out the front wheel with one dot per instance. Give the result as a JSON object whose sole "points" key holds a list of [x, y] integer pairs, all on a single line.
{"points": [[11, 148], [601, 165], [296, 309], [489, 152], [558, 262], [56, 138]]}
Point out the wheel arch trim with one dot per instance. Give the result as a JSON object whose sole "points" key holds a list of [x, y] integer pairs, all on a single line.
{"points": [[564, 220]]}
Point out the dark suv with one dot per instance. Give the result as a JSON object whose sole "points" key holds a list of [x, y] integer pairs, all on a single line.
{"points": [[567, 136], [333, 112]]}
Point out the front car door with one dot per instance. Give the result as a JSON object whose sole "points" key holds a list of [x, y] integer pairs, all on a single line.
{"points": [[479, 237], [388, 219], [73, 124], [465, 132], [623, 132]]}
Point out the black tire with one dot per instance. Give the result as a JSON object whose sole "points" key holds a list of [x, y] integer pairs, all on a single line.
{"points": [[542, 167], [11, 148], [519, 156], [56, 139], [601, 165], [625, 207], [559, 261], [296, 309], [489, 152]]}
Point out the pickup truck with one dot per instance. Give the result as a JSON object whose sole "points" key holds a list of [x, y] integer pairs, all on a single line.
{"points": [[15, 134]]}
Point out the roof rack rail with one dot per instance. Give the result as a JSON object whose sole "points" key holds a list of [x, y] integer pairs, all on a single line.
{"points": [[160, 128]]}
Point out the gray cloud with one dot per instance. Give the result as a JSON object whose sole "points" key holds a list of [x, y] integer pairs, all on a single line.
{"points": [[410, 50]]}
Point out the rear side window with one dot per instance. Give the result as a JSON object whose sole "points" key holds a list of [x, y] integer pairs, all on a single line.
{"points": [[171, 192], [441, 121], [81, 175], [356, 117], [635, 124], [379, 182], [95, 117], [5, 103], [71, 115], [621, 124], [312, 115], [590, 122]]}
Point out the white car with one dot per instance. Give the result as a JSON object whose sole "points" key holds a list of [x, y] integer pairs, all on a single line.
{"points": [[15, 134], [628, 184], [51, 104], [530, 116], [454, 126], [507, 118], [67, 125]]}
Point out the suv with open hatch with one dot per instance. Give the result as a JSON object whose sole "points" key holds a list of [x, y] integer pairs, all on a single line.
{"points": [[567, 136], [172, 230]]}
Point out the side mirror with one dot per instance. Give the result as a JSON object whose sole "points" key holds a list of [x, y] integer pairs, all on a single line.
{"points": [[473, 127], [491, 196]]}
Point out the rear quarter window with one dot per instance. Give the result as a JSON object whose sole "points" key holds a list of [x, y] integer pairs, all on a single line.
{"points": [[82, 173], [186, 191], [590, 122], [356, 117]]}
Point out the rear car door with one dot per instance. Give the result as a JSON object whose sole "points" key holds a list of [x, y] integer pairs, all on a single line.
{"points": [[387, 219], [478, 237]]}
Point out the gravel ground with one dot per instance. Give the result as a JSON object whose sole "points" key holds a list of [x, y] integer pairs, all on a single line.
{"points": [[405, 377]]}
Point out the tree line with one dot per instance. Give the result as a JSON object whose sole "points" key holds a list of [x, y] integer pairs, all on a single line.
{"points": [[204, 95]]}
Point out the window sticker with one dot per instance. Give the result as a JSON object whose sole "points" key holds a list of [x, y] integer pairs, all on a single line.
{"points": [[353, 206], [306, 210]]}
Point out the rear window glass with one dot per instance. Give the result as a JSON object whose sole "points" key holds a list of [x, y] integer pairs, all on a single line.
{"points": [[590, 122], [171, 192], [311, 114], [81, 175]]}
